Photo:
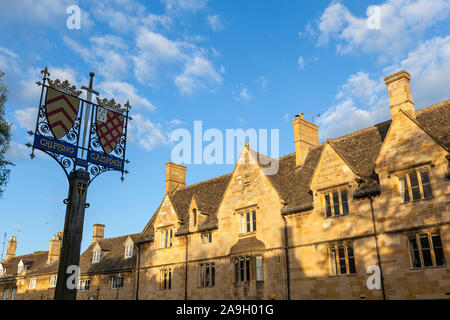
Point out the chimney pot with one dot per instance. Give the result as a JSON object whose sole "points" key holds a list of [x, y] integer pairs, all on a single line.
{"points": [[11, 251], [99, 231], [175, 176], [306, 137], [400, 93]]}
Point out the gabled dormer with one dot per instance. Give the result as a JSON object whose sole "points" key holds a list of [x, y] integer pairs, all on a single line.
{"points": [[196, 216], [2, 269], [97, 253], [129, 248], [21, 266]]}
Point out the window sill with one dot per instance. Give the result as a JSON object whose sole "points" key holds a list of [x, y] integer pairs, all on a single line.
{"points": [[245, 234], [417, 201], [343, 275], [428, 268], [341, 215]]}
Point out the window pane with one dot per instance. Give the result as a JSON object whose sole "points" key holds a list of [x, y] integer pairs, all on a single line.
{"points": [[207, 274], [327, 205], [248, 221], [170, 278], [213, 274], [201, 275], [333, 260], [404, 188], [336, 203], [426, 185], [438, 252], [351, 259], [426, 253], [247, 267], [210, 237], [414, 252], [236, 271], [254, 220], [170, 237], [259, 269], [414, 186], [241, 266], [342, 265], [344, 201]]}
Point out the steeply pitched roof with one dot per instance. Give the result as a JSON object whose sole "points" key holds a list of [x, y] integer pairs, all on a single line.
{"points": [[359, 150], [113, 258], [34, 261]]}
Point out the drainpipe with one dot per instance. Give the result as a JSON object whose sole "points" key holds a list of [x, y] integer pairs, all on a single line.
{"points": [[288, 278], [186, 269], [138, 269], [376, 245]]}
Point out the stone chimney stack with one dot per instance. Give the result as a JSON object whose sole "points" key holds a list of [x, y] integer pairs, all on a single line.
{"points": [[175, 176], [11, 251], [400, 93], [306, 137], [55, 248], [99, 232]]}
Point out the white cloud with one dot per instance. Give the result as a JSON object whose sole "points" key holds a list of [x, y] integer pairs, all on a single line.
{"points": [[197, 72], [17, 152], [26, 118], [401, 22], [215, 22], [122, 92], [244, 94], [9, 61], [363, 100], [301, 62], [146, 133], [429, 66], [48, 12], [109, 55], [191, 5]]}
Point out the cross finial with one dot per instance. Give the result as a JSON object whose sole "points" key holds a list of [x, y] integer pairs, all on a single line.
{"points": [[127, 105]]}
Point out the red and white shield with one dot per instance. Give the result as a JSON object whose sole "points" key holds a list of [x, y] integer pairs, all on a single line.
{"points": [[109, 128], [62, 110]]}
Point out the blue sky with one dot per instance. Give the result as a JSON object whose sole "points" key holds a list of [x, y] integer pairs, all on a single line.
{"points": [[230, 64]]}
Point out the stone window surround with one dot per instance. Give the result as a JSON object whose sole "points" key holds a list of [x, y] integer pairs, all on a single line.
{"points": [[170, 236], [202, 275], [329, 190], [426, 166], [336, 245], [240, 212], [252, 266], [428, 232]]}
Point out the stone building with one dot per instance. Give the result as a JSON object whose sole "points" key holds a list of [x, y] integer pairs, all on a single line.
{"points": [[335, 216]]}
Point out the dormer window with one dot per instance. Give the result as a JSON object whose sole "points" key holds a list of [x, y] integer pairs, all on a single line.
{"points": [[21, 266], [128, 251], [96, 256], [194, 217]]}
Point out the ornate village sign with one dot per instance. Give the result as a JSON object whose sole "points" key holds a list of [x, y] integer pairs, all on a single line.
{"points": [[61, 116]]}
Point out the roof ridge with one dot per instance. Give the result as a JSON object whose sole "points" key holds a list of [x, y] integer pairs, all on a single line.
{"points": [[436, 105], [200, 182], [131, 234]]}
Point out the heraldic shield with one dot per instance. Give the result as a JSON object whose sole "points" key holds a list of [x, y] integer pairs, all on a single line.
{"points": [[62, 110], [109, 128]]}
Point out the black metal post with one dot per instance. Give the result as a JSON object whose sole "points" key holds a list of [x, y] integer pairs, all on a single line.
{"points": [[73, 232]]}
